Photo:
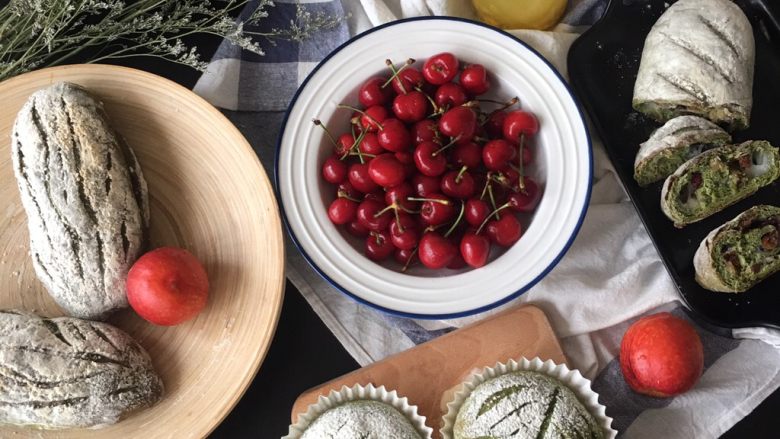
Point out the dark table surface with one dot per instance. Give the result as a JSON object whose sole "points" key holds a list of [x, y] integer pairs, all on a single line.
{"points": [[304, 353]]}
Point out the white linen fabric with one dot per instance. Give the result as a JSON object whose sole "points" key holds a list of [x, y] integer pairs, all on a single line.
{"points": [[611, 276]]}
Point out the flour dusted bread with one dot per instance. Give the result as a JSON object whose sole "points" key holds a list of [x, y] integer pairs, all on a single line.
{"points": [[85, 198], [66, 372], [698, 59]]}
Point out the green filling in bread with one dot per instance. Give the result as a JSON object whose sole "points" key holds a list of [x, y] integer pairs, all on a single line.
{"points": [[742, 252], [718, 178]]}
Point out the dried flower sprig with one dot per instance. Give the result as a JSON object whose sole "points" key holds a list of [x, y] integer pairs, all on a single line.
{"points": [[39, 33]]}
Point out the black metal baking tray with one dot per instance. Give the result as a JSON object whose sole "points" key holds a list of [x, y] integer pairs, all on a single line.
{"points": [[603, 64]]}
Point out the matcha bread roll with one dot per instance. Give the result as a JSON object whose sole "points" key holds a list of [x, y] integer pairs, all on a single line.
{"points": [[698, 59], [741, 253], [85, 197], [678, 141], [70, 373], [717, 179]]}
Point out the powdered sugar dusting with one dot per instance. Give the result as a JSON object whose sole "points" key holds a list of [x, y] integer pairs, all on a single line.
{"points": [[521, 405], [361, 420]]}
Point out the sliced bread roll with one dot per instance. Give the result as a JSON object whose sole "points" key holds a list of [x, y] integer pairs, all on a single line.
{"points": [[717, 179], [741, 253], [678, 141], [698, 59]]}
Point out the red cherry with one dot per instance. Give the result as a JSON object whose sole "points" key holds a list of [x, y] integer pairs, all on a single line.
{"points": [[371, 93], [346, 190], [497, 154], [400, 194], [525, 201], [370, 144], [386, 170], [356, 229], [405, 257], [457, 261], [438, 209], [405, 157], [440, 68], [372, 117], [407, 235], [475, 249], [457, 185], [342, 211], [428, 161], [359, 177], [334, 171], [411, 107], [474, 79], [460, 123], [343, 144], [450, 95], [435, 251], [379, 246], [394, 136], [495, 124], [528, 155], [476, 211], [467, 154], [425, 185], [368, 215], [424, 131], [411, 78], [377, 195], [505, 231], [519, 122]]}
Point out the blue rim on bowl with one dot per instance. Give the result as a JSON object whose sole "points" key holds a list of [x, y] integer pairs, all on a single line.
{"points": [[479, 309]]}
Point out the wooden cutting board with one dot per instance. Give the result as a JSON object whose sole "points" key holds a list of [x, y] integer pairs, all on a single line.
{"points": [[426, 374]]}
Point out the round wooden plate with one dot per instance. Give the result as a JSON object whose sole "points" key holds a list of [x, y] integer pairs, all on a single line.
{"points": [[208, 194]]}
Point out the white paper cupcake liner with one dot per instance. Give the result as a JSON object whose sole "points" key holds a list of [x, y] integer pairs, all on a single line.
{"points": [[573, 379], [359, 393]]}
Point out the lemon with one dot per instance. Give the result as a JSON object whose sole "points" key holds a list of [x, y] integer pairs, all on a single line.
{"points": [[520, 14]]}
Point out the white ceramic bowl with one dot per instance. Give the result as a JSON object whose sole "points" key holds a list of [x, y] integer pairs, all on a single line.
{"points": [[563, 166]]}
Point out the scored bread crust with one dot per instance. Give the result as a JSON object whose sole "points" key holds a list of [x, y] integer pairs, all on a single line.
{"points": [[85, 197], [698, 59]]}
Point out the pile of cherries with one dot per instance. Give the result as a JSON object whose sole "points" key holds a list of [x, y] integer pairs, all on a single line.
{"points": [[424, 173]]}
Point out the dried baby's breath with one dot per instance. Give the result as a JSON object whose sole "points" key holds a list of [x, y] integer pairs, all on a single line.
{"points": [[39, 33]]}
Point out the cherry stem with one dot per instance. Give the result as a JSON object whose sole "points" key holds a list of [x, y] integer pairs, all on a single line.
{"points": [[432, 200], [377, 237], [452, 142], [389, 63], [383, 211], [398, 219], [436, 109], [487, 183], [493, 200], [504, 105], [459, 177], [409, 261], [492, 214], [355, 147], [343, 194], [471, 104], [457, 220], [327, 132], [350, 107], [520, 179], [502, 180]]}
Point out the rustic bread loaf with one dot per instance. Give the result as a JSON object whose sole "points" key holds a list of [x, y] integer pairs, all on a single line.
{"points": [[85, 197], [698, 59], [66, 372]]}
